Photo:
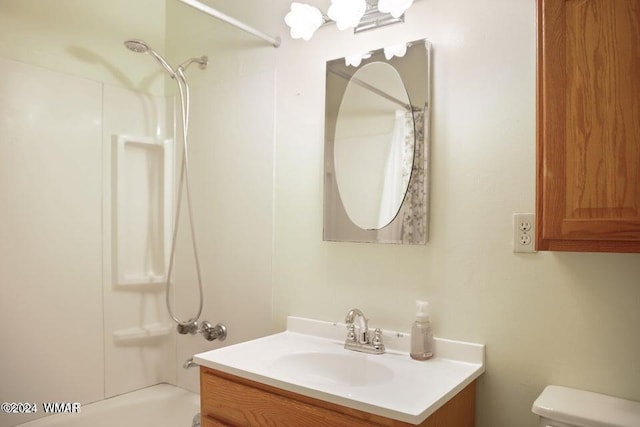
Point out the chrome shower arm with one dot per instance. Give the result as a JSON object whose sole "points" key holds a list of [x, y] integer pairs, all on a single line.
{"points": [[202, 61]]}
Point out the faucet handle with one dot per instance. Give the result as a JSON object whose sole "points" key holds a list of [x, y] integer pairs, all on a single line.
{"points": [[351, 333], [377, 339]]}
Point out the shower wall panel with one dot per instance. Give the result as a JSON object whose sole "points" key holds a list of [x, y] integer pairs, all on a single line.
{"points": [[231, 151], [231, 146], [139, 340], [59, 307], [50, 238]]}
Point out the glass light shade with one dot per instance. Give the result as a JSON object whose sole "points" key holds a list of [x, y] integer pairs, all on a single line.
{"points": [[398, 50], [394, 7], [347, 13], [356, 59], [303, 20]]}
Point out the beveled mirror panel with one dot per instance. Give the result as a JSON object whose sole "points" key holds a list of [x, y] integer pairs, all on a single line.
{"points": [[376, 146]]}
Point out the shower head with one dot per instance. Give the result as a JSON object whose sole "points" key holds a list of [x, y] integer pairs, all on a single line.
{"points": [[139, 46]]}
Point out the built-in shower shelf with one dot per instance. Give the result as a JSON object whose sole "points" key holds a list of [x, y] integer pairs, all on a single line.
{"points": [[140, 280], [142, 188], [145, 331]]}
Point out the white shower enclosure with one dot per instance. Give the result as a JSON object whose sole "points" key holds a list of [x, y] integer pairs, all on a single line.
{"points": [[87, 168]]}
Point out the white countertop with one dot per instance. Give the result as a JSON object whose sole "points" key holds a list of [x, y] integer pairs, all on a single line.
{"points": [[391, 385]]}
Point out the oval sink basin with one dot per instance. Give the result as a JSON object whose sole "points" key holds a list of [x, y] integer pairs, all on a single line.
{"points": [[352, 369]]}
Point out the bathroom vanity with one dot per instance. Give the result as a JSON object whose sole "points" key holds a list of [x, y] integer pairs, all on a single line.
{"points": [[305, 376], [232, 400]]}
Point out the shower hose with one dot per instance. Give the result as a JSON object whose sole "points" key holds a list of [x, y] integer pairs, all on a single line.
{"points": [[183, 89]]}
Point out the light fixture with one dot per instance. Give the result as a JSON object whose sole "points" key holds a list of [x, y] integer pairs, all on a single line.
{"points": [[356, 59], [389, 52], [347, 13], [303, 20], [398, 50], [395, 8], [361, 15]]}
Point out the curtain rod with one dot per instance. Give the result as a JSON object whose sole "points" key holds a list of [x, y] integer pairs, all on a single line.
{"points": [[350, 78], [274, 41]]}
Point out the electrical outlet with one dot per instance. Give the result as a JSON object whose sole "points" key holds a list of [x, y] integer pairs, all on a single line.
{"points": [[524, 224], [523, 232]]}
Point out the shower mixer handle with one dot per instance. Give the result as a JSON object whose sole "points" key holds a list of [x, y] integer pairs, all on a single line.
{"points": [[187, 328], [210, 332], [218, 332]]}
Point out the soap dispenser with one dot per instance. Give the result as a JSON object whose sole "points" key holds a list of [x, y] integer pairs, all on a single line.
{"points": [[421, 333]]}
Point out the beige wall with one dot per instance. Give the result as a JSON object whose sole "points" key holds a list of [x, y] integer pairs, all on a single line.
{"points": [[233, 54], [84, 38], [546, 318]]}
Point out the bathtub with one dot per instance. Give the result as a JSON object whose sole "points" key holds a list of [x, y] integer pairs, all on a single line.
{"points": [[162, 405]]}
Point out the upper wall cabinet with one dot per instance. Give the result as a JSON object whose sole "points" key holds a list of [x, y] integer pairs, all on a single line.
{"points": [[588, 148]]}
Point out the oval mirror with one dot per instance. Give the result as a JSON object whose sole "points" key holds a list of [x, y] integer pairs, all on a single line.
{"points": [[374, 145]]}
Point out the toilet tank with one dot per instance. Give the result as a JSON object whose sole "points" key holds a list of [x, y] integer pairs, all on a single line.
{"points": [[560, 406]]}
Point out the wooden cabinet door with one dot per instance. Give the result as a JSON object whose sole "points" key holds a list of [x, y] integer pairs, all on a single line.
{"points": [[588, 154]]}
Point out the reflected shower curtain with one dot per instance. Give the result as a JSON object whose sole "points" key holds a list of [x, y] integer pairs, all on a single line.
{"points": [[414, 226], [410, 227], [398, 169]]}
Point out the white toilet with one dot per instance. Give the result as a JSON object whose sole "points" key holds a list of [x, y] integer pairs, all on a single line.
{"points": [[567, 407]]}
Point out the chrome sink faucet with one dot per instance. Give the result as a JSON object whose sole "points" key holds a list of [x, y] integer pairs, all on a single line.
{"points": [[362, 325], [362, 341]]}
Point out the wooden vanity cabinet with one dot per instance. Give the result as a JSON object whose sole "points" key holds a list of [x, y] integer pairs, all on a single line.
{"points": [[588, 131], [228, 400]]}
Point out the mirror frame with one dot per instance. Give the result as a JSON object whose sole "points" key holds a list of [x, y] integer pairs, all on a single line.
{"points": [[410, 225]]}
